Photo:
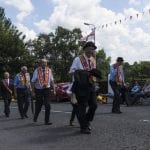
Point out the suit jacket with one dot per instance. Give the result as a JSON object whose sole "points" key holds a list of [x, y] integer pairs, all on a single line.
{"points": [[96, 73], [81, 86], [7, 90]]}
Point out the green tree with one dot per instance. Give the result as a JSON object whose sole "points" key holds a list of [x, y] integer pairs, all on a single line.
{"points": [[59, 48], [12, 46], [103, 63]]}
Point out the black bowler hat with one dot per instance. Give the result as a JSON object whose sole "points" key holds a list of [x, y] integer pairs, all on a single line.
{"points": [[120, 59], [89, 44]]}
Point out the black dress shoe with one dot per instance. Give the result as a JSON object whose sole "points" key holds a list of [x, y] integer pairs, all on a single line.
{"points": [[7, 115], [71, 123], [26, 116], [116, 112], [89, 126], [22, 117], [85, 131], [34, 120], [48, 123]]}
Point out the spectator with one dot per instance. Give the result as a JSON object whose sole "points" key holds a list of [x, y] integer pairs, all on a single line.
{"points": [[144, 93], [135, 89]]}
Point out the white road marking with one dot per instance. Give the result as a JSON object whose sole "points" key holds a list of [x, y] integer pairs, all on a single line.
{"points": [[145, 120], [55, 111]]}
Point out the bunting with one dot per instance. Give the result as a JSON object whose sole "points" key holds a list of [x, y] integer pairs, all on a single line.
{"points": [[91, 35], [120, 21]]}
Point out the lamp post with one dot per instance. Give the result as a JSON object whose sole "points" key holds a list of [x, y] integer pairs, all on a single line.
{"points": [[93, 28]]}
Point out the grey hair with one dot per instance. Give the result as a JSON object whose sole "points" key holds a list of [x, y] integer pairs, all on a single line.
{"points": [[24, 68], [43, 60], [6, 73]]}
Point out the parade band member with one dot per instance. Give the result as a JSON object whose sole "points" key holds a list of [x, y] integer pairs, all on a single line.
{"points": [[85, 96], [116, 81], [7, 90], [23, 91], [43, 81]]}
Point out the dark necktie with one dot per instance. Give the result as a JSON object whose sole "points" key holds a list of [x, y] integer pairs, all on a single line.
{"points": [[7, 83], [89, 63], [43, 70], [25, 78]]}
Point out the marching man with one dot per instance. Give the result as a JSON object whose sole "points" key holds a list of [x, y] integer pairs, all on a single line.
{"points": [[43, 81]]}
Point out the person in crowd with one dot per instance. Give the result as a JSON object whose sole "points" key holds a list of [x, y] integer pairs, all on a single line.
{"points": [[84, 89], [145, 92], [22, 88], [135, 89], [116, 81], [7, 91], [43, 81]]}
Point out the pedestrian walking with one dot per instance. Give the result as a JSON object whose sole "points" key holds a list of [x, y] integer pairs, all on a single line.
{"points": [[116, 81], [23, 90], [43, 81], [84, 90], [7, 91]]}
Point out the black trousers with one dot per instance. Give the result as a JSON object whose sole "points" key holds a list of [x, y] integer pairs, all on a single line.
{"points": [[116, 98], [42, 97], [74, 112], [84, 116], [23, 99], [7, 102]]}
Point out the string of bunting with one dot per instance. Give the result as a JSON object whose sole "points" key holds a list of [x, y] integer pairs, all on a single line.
{"points": [[122, 20], [91, 35]]}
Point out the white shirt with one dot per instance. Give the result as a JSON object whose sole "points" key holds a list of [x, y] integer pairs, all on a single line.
{"points": [[76, 65], [35, 79], [7, 81]]}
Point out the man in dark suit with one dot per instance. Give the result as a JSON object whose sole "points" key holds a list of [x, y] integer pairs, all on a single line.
{"points": [[83, 86], [7, 92]]}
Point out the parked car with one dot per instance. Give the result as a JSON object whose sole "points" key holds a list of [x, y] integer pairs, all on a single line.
{"points": [[61, 91]]}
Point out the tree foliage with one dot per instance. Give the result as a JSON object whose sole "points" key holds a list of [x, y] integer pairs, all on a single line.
{"points": [[59, 48], [12, 46]]}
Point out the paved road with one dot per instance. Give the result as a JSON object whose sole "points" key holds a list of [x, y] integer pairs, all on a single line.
{"points": [[127, 131]]}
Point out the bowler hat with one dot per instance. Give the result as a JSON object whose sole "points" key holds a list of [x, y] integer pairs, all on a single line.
{"points": [[120, 59], [89, 44]]}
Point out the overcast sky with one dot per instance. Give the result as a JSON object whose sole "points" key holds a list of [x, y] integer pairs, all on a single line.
{"points": [[129, 39]]}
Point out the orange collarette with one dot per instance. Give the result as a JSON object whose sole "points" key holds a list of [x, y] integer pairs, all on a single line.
{"points": [[43, 82]]}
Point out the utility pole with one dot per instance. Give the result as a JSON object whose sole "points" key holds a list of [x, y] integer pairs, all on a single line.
{"points": [[93, 29]]}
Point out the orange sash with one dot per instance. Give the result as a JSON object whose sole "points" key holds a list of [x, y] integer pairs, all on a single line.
{"points": [[85, 64], [119, 79], [24, 78], [43, 82], [6, 87]]}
